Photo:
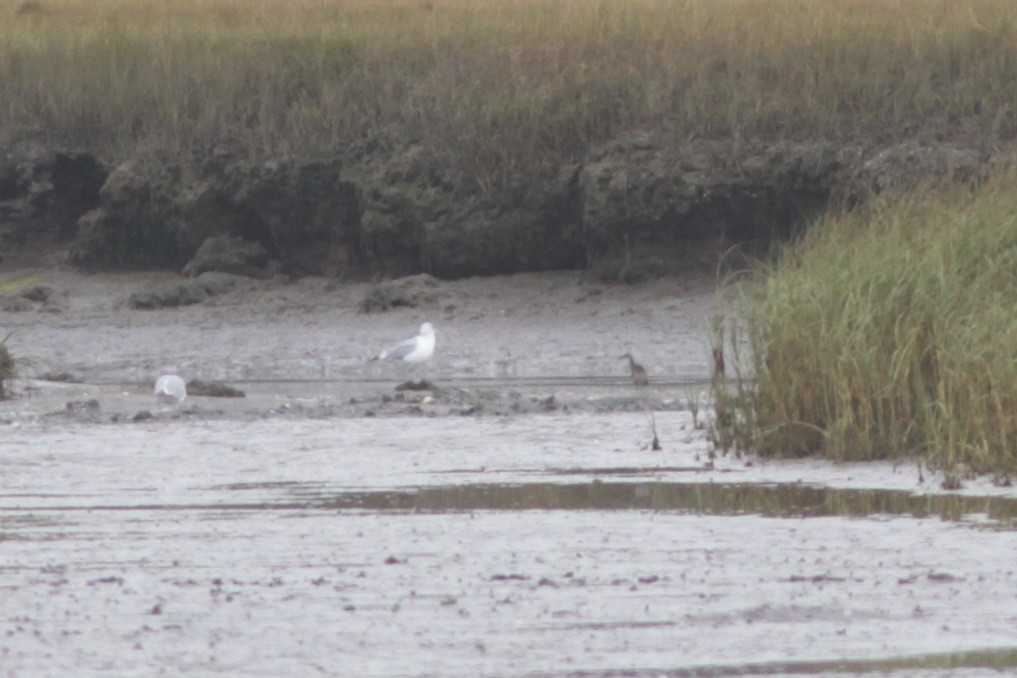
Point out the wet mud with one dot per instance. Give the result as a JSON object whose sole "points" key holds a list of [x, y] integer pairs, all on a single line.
{"points": [[515, 521]]}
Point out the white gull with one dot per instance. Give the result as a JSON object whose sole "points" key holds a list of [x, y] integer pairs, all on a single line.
{"points": [[415, 350], [170, 387]]}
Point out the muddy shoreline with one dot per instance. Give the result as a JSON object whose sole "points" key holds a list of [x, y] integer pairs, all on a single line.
{"points": [[292, 531], [306, 344]]}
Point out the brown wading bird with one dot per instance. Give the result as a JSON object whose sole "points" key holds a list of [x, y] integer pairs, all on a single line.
{"points": [[639, 376], [718, 362]]}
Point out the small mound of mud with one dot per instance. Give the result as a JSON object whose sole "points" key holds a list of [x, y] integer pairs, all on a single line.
{"points": [[186, 292], [61, 377], [229, 254], [86, 411], [213, 389], [411, 291], [14, 305], [417, 385], [430, 400], [19, 298], [40, 293]]}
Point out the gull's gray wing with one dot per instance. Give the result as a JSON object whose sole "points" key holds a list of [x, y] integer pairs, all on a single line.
{"points": [[401, 351]]}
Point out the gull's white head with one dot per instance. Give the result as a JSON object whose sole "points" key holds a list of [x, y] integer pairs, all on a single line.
{"points": [[427, 330]]}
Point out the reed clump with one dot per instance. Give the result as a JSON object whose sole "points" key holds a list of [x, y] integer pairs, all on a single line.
{"points": [[890, 331], [6, 369], [495, 90]]}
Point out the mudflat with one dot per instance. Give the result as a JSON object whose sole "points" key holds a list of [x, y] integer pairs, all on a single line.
{"points": [[549, 327], [515, 521]]}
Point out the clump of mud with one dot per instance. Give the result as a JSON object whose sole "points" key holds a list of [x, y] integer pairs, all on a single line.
{"points": [[438, 401], [408, 292], [417, 385], [213, 389], [60, 377]]}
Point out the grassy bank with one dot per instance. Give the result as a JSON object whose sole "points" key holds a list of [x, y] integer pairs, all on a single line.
{"points": [[494, 89], [891, 331]]}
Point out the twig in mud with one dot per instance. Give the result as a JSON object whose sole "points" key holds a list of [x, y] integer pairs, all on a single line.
{"points": [[693, 404], [717, 349], [655, 445]]}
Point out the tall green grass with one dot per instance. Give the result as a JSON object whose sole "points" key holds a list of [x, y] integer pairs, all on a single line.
{"points": [[495, 89], [6, 368], [890, 331]]}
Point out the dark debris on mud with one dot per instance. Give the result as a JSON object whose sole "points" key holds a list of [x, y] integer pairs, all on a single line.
{"points": [[433, 401], [213, 389]]}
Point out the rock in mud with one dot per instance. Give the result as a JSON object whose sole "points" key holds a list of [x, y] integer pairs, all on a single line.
{"points": [[411, 292]]}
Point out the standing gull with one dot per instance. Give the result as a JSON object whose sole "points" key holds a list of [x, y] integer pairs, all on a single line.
{"points": [[171, 388], [639, 377], [415, 350]]}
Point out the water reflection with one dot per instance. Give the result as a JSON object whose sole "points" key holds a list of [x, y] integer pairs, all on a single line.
{"points": [[729, 499], [778, 500], [995, 661]]}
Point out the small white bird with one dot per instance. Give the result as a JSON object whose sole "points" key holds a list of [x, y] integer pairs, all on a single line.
{"points": [[170, 388], [415, 350]]}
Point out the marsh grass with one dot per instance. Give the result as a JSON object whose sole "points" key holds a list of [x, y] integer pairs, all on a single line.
{"points": [[496, 89], [6, 368], [889, 331]]}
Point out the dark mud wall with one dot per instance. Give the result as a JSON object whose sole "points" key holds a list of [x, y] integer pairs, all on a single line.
{"points": [[637, 207], [44, 191]]}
